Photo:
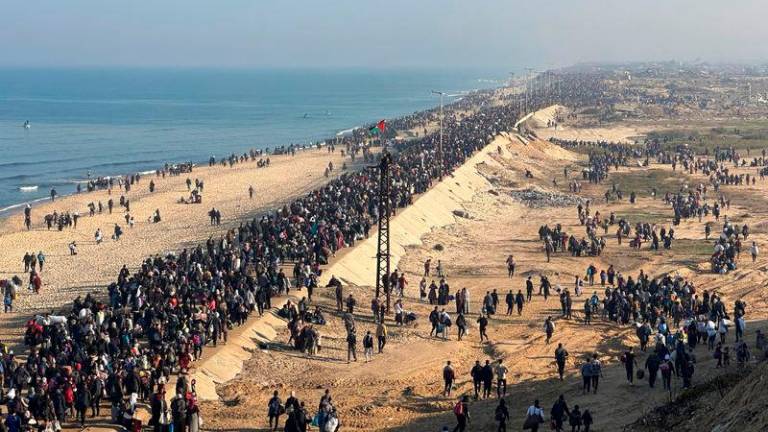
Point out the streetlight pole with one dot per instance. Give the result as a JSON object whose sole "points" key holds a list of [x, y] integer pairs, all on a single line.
{"points": [[527, 86], [440, 148]]}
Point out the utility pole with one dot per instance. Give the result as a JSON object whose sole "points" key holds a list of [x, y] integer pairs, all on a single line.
{"points": [[440, 147], [528, 86], [382, 251]]}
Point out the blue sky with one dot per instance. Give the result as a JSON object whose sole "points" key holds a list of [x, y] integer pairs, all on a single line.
{"points": [[393, 33]]}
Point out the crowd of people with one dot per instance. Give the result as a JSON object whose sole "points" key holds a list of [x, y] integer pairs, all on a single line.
{"points": [[159, 318]]}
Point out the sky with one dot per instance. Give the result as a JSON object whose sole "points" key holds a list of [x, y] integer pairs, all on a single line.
{"points": [[364, 33]]}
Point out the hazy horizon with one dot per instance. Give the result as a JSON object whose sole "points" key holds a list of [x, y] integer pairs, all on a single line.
{"points": [[492, 34]]}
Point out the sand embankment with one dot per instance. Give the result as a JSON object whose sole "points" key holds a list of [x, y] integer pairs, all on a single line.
{"points": [[357, 266], [432, 210], [550, 122], [223, 363]]}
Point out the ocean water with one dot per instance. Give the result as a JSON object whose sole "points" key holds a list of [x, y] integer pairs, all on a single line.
{"points": [[120, 121]]}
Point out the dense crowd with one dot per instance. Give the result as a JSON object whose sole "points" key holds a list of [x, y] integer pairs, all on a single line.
{"points": [[158, 319]]}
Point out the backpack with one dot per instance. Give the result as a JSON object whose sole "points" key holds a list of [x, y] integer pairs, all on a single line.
{"points": [[458, 409]]}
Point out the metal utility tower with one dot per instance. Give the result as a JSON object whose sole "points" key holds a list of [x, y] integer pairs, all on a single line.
{"points": [[382, 252]]}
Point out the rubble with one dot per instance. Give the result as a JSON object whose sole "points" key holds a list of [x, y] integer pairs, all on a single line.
{"points": [[538, 198], [461, 214]]}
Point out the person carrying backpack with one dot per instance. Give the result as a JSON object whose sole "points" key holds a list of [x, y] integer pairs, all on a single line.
{"points": [[461, 411], [274, 410], [667, 368], [368, 346], [575, 419]]}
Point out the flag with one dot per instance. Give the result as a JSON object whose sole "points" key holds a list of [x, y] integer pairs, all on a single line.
{"points": [[377, 128]]}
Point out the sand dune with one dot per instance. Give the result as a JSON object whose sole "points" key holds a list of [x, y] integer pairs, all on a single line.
{"points": [[399, 389]]}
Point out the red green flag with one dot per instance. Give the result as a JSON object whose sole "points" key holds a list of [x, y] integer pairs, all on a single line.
{"points": [[378, 128]]}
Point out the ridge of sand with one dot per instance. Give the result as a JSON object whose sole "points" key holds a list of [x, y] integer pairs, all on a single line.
{"points": [[539, 122], [357, 267], [432, 210], [399, 389]]}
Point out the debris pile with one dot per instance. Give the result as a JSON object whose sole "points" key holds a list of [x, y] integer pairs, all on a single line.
{"points": [[538, 198]]}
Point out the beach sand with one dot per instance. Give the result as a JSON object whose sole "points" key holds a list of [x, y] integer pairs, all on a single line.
{"points": [[400, 389], [183, 225]]}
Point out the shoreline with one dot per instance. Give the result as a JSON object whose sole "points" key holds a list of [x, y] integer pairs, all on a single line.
{"points": [[338, 137], [95, 266], [14, 209]]}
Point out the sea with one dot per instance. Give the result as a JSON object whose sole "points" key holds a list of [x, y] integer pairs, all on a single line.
{"points": [[114, 121]]}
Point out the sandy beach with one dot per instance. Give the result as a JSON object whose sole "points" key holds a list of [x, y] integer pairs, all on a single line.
{"points": [[183, 225], [486, 209]]}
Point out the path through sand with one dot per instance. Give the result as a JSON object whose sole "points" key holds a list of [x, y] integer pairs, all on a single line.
{"points": [[400, 388]]}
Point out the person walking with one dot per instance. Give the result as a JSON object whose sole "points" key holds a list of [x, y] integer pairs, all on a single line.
{"points": [[449, 375], [482, 322], [351, 346], [461, 411], [487, 379], [501, 415], [575, 419], [667, 369], [586, 376], [501, 380], [82, 401], [559, 413], [753, 250], [368, 346], [561, 354], [549, 328], [586, 420], [519, 301], [652, 363], [534, 417], [597, 372], [41, 260], [381, 336], [630, 361], [461, 324], [528, 289], [274, 410], [477, 378]]}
